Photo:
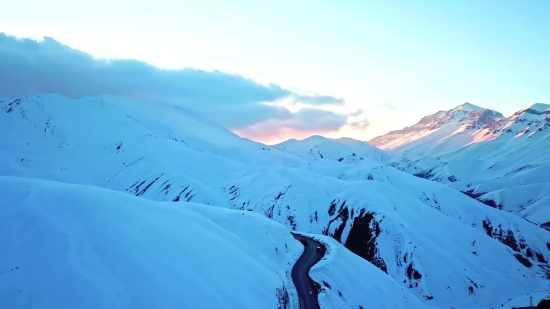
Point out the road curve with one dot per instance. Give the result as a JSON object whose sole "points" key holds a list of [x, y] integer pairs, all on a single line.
{"points": [[300, 272]]}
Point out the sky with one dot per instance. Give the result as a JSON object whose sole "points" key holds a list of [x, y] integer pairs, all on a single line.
{"points": [[272, 70]]}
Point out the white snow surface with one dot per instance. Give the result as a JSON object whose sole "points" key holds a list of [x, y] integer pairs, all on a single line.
{"points": [[76, 246], [344, 149], [523, 301], [443, 247], [107, 249], [337, 291], [442, 132], [505, 165]]}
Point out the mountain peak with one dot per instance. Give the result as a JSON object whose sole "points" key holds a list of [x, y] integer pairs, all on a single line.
{"points": [[537, 107], [467, 114], [432, 130], [468, 107]]}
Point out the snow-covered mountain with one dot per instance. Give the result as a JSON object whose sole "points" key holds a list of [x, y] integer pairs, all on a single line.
{"points": [[504, 165], [442, 132], [439, 245], [342, 149], [108, 249]]}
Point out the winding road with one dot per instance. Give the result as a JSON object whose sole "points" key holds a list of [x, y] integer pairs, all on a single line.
{"points": [[300, 272]]}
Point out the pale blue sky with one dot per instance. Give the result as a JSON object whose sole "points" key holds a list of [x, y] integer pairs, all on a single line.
{"points": [[396, 60]]}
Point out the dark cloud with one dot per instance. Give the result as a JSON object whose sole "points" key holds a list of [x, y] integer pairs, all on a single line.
{"points": [[28, 66]]}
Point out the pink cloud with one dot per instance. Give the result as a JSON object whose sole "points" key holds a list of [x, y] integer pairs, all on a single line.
{"points": [[270, 133]]}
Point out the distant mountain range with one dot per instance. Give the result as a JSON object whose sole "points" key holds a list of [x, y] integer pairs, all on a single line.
{"points": [[442, 132], [502, 162]]}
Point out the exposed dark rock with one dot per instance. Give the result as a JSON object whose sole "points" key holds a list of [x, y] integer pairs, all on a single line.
{"points": [[362, 239], [269, 212], [488, 227], [142, 191], [177, 198], [491, 203], [317, 286], [332, 207], [343, 215], [540, 258], [412, 273], [428, 174], [473, 195], [523, 260], [283, 298]]}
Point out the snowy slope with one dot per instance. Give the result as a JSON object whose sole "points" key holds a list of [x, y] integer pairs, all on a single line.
{"points": [[506, 167], [427, 229], [523, 301], [374, 290], [94, 140], [442, 132], [111, 250], [342, 149], [443, 247]]}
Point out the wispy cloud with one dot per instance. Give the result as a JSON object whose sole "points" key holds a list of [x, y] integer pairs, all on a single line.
{"points": [[358, 124], [318, 100], [307, 120], [362, 124], [388, 105], [357, 113], [29, 66]]}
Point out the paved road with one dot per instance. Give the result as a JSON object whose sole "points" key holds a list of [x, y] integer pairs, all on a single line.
{"points": [[300, 272]]}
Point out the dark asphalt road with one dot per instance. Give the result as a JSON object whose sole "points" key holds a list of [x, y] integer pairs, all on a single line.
{"points": [[300, 272]]}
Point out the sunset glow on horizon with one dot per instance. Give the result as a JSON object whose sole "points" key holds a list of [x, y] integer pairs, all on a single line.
{"points": [[375, 67]]}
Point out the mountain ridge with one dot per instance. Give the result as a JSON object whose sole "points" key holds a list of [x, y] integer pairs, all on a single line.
{"points": [[479, 118], [441, 132], [503, 166], [404, 225]]}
